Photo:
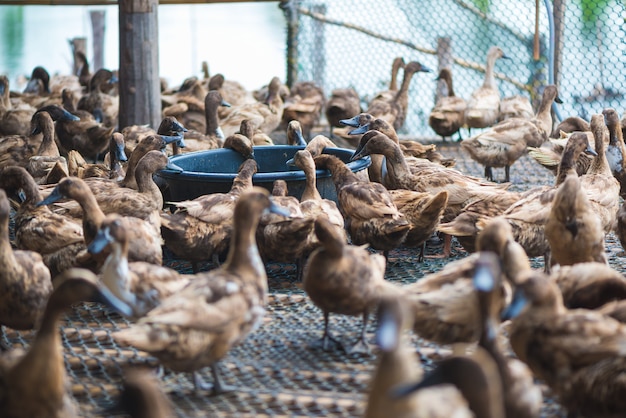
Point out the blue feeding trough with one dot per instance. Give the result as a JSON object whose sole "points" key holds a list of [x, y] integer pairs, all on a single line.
{"points": [[213, 171]]}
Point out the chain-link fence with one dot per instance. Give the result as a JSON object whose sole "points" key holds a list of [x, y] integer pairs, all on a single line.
{"points": [[343, 43]]}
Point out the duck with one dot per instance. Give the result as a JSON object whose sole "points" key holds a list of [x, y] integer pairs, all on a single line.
{"points": [[14, 120], [423, 210], [398, 365], [474, 375], [141, 396], [444, 305], [170, 130], [47, 156], [601, 187], [369, 213], [396, 64], [578, 353], [549, 154], [24, 281], [506, 142], [311, 202], [343, 103], [18, 149], [36, 384], [200, 229], [522, 398], [140, 284], [198, 325], [528, 216], [144, 239], [483, 106], [516, 106], [345, 279], [188, 105], [448, 115], [616, 150], [212, 136], [573, 229], [620, 227], [294, 134], [265, 115], [414, 149], [59, 239], [78, 167], [394, 109], [571, 124], [232, 91], [240, 143], [285, 239], [103, 106], [145, 203], [589, 285], [256, 135], [305, 103], [426, 177]]}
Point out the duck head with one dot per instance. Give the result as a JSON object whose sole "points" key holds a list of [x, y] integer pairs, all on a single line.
{"points": [[373, 142], [358, 120], [535, 291], [294, 134]]}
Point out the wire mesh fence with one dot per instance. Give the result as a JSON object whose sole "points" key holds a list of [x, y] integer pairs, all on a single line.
{"points": [[353, 42]]}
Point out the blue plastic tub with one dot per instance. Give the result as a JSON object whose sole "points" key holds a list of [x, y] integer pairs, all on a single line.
{"points": [[213, 171]]}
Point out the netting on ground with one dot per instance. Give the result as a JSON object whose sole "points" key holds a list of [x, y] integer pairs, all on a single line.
{"points": [[276, 371], [353, 42]]}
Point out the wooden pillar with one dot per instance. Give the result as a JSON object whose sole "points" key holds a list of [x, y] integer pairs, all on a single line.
{"points": [[559, 22], [319, 39], [290, 9], [97, 29], [78, 45], [444, 60], [140, 100]]}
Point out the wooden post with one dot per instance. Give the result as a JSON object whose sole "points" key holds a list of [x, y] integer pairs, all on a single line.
{"points": [[559, 20], [97, 29], [444, 60], [290, 9], [78, 45], [140, 101]]}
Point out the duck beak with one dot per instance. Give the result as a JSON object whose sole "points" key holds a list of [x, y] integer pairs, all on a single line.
{"points": [[98, 115], [3, 88], [425, 69], [225, 104], [173, 167], [360, 130], [100, 242], [36, 130], [179, 139], [558, 100], [590, 151], [54, 196], [113, 79], [178, 127], [68, 116], [483, 279], [434, 378], [300, 141], [279, 210], [120, 154], [290, 163], [506, 57], [516, 307], [358, 154], [354, 121], [387, 335]]}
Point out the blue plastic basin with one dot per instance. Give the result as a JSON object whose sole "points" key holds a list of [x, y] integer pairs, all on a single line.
{"points": [[213, 171]]}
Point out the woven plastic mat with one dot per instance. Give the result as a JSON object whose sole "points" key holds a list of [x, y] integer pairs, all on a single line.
{"points": [[276, 370]]}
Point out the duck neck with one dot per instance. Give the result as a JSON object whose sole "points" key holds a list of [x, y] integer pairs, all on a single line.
{"points": [[340, 173], [490, 81], [116, 273], [397, 167], [131, 167], [544, 115], [7, 258], [393, 83], [403, 93], [48, 147], [600, 164], [44, 360], [31, 191], [146, 185], [92, 215], [448, 79], [310, 188], [243, 181], [212, 122], [243, 253]]}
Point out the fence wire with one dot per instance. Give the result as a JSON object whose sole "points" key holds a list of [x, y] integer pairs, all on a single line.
{"points": [[353, 42]]}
